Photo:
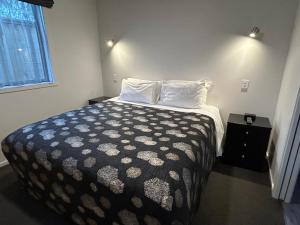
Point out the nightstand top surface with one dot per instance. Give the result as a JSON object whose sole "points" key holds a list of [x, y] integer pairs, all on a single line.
{"points": [[259, 122]]}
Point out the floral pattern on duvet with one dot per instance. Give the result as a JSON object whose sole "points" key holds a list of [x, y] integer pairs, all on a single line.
{"points": [[116, 163]]}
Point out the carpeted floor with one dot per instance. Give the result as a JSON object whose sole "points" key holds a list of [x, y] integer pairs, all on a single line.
{"points": [[233, 196], [236, 196]]}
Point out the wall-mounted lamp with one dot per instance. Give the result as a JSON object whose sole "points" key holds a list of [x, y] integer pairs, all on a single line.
{"points": [[255, 31], [110, 43]]}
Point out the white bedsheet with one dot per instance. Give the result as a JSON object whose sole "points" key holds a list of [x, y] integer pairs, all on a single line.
{"points": [[208, 110]]}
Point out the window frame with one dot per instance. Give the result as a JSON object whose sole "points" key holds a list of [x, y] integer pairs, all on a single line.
{"points": [[45, 54]]}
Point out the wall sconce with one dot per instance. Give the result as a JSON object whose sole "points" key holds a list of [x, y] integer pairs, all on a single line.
{"points": [[110, 43], [255, 31]]}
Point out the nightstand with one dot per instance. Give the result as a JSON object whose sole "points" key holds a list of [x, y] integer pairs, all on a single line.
{"points": [[246, 145], [97, 100]]}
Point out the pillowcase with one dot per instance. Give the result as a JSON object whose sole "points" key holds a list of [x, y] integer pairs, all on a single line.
{"points": [[184, 94], [138, 92], [203, 95], [157, 83]]}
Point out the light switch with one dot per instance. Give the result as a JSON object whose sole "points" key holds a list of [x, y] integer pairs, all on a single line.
{"points": [[245, 85]]}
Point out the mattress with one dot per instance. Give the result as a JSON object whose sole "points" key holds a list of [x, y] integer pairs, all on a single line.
{"points": [[117, 163]]}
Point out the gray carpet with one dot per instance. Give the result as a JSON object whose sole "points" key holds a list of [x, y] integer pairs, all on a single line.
{"points": [[236, 196], [233, 196]]}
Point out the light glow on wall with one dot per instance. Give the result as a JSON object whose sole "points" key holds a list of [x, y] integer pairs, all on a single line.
{"points": [[110, 43]]}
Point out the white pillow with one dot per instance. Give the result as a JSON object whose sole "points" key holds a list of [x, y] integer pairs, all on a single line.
{"points": [[203, 95], [184, 94], [138, 92], [157, 83]]}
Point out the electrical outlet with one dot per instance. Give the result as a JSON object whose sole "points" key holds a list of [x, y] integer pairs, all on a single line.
{"points": [[245, 85], [115, 78]]}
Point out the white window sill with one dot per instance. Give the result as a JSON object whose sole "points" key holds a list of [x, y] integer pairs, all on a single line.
{"points": [[26, 87]]}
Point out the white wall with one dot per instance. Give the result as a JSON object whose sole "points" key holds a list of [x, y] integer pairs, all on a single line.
{"points": [[72, 30], [286, 103], [191, 39]]}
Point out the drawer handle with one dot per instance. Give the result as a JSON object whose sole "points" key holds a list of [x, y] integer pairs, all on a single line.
{"points": [[247, 132], [243, 156]]}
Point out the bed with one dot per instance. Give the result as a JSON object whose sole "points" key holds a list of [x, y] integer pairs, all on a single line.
{"points": [[117, 162]]}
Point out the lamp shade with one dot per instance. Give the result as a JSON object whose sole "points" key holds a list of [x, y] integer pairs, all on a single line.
{"points": [[254, 32]]}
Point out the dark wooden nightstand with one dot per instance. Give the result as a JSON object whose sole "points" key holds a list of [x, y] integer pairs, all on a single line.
{"points": [[246, 145], [97, 100]]}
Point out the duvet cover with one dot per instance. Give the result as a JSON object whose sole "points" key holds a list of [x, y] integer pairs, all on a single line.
{"points": [[116, 163]]}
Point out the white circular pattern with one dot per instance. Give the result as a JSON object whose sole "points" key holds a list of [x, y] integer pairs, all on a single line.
{"points": [[147, 155], [156, 162], [174, 175], [70, 189], [126, 160], [91, 221], [149, 220], [195, 143], [52, 196], [172, 156], [112, 152], [86, 151], [99, 128], [29, 136], [54, 144], [60, 176], [163, 148], [105, 202], [81, 209], [164, 139], [137, 202], [129, 147], [94, 140], [133, 172], [35, 166], [109, 149], [192, 133], [128, 218], [159, 191], [178, 198], [150, 142], [93, 187], [125, 141]]}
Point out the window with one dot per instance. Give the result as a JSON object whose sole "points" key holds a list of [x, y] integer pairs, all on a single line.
{"points": [[24, 57]]}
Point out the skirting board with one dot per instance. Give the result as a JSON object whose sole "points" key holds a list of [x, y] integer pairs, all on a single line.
{"points": [[271, 179], [3, 163]]}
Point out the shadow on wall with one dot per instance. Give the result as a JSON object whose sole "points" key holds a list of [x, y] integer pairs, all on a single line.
{"points": [[237, 55]]}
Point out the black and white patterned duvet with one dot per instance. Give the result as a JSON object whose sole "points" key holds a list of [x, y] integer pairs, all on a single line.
{"points": [[116, 163]]}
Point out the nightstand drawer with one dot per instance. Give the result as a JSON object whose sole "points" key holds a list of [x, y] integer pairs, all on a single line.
{"points": [[242, 132], [249, 160], [246, 136]]}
